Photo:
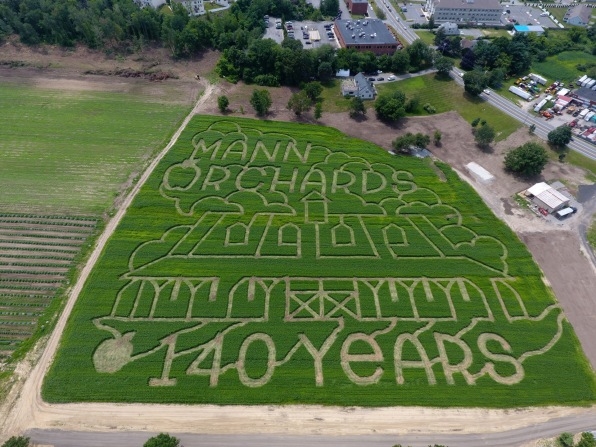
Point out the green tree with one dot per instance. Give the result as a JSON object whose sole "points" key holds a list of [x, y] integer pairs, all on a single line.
{"points": [[566, 440], [162, 440], [17, 441], [357, 107], [261, 101], [299, 103], [391, 106], [222, 103], [443, 64], [474, 82], [420, 55], [329, 7], [437, 136], [560, 136], [484, 135], [528, 159], [496, 77], [587, 440], [318, 110], [313, 90], [408, 140], [400, 62]]}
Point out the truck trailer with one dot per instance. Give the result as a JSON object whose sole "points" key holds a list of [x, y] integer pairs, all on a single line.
{"points": [[537, 78], [521, 93]]}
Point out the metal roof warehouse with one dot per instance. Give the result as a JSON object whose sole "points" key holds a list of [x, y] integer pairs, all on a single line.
{"points": [[545, 196], [366, 35]]}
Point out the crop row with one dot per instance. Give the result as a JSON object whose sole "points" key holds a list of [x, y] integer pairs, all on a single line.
{"points": [[66, 253], [12, 243], [42, 235], [45, 218], [39, 228], [32, 264]]}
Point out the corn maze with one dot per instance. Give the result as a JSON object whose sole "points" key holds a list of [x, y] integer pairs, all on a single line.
{"points": [[277, 263], [36, 254]]}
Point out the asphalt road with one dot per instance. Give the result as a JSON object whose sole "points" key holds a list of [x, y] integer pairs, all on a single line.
{"points": [[542, 126], [396, 22], [512, 438]]}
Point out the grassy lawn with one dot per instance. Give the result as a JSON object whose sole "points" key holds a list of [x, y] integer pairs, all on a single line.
{"points": [[562, 66], [445, 95], [270, 262], [558, 13], [496, 33], [426, 36], [592, 234], [70, 151]]}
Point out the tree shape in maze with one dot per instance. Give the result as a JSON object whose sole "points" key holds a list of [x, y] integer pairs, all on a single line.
{"points": [[281, 230]]}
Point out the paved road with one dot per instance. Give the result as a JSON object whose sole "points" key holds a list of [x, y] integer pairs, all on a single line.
{"points": [[542, 127], [397, 22], [512, 438]]}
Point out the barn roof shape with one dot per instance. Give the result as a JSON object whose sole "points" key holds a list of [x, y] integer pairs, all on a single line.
{"points": [[369, 31], [365, 87], [547, 194]]}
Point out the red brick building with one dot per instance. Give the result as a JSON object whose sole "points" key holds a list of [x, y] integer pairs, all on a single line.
{"points": [[357, 6], [366, 35]]}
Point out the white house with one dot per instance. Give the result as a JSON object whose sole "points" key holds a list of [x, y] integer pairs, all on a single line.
{"points": [[449, 28], [359, 86]]}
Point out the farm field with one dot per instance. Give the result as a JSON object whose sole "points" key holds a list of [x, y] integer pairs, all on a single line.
{"points": [[446, 95], [56, 142], [268, 262], [563, 66], [36, 255]]}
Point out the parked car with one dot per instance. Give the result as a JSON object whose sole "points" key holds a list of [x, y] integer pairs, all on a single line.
{"points": [[380, 79], [391, 78], [371, 79]]}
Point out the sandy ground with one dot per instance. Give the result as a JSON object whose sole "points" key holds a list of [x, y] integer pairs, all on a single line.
{"points": [[24, 407]]}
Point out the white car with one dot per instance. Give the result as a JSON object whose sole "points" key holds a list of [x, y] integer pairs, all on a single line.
{"points": [[487, 91], [391, 78]]}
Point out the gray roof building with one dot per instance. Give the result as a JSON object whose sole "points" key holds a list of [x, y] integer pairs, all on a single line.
{"points": [[366, 35], [366, 89], [465, 11], [579, 15]]}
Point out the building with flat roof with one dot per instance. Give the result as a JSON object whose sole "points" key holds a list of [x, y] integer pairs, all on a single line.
{"points": [[366, 35], [525, 29], [357, 6], [585, 95], [465, 11], [546, 197], [579, 15]]}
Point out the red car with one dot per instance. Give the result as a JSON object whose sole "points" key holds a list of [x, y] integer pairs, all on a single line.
{"points": [[543, 211]]}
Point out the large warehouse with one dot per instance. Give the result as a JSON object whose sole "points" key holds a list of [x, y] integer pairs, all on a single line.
{"points": [[366, 35]]}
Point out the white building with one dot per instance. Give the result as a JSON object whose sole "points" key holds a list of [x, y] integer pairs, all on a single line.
{"points": [[545, 196], [449, 28], [465, 11], [194, 7]]}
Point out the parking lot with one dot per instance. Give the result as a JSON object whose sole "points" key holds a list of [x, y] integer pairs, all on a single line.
{"points": [[310, 34], [525, 15], [414, 13]]}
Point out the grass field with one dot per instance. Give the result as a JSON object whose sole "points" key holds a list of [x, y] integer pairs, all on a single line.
{"points": [[445, 95], [269, 262], [562, 67], [71, 151], [426, 36]]}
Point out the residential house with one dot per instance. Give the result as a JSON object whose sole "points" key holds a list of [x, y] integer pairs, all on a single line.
{"points": [[579, 15]]}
